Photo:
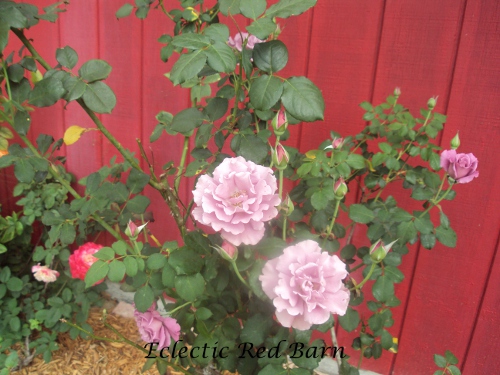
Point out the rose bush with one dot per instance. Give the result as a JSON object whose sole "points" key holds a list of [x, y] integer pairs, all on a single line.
{"points": [[279, 265]]}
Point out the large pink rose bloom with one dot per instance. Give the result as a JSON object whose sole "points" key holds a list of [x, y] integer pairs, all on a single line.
{"points": [[156, 328], [460, 167], [237, 200], [305, 285], [81, 260]]}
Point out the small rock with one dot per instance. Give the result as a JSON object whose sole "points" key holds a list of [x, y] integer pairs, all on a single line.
{"points": [[124, 309]]}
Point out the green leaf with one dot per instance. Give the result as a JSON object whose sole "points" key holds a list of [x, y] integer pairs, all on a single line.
{"points": [[262, 27], [383, 289], [67, 234], [428, 240], [423, 224], [303, 99], [168, 276], [445, 222], [321, 198], [191, 41], [189, 287], [229, 6], [15, 73], [439, 360], [24, 171], [12, 15], [447, 237], [253, 9], [105, 253], [156, 261], [14, 284], [99, 97], [271, 247], [67, 57], [185, 261], [15, 324], [188, 66], [144, 298], [217, 32], [94, 70], [450, 358], [216, 108], [131, 267], [287, 8], [138, 204], [361, 214], [270, 56], [187, 120], [46, 92], [356, 161], [124, 11], [350, 320], [221, 57], [406, 231], [203, 313], [251, 147], [4, 34], [116, 271], [75, 88], [96, 272], [394, 274], [255, 329], [265, 92], [454, 370], [136, 181]]}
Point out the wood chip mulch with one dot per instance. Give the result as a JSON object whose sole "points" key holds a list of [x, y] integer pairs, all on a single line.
{"points": [[94, 357]]}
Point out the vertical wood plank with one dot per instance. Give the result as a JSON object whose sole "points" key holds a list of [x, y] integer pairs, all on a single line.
{"points": [[449, 283]]}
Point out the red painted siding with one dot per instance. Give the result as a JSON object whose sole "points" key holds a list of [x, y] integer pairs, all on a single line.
{"points": [[354, 51]]}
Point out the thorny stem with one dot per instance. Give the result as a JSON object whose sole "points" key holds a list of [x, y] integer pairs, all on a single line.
{"points": [[185, 149], [435, 203], [284, 228], [162, 186], [332, 223], [235, 267], [336, 345]]}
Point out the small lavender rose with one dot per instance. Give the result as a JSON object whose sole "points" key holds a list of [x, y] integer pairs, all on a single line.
{"points": [[156, 328], [237, 200], [44, 273], [237, 41], [305, 285], [461, 167]]}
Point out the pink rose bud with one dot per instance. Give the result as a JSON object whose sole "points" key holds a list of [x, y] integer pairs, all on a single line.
{"points": [[431, 104], [156, 328], [280, 157], [82, 259], [455, 142], [280, 123], [44, 273], [337, 143], [397, 92], [378, 251], [462, 168], [227, 250], [133, 230], [340, 188]]}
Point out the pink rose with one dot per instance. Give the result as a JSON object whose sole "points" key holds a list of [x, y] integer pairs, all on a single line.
{"points": [[237, 41], [460, 167], [305, 285], [237, 200], [81, 260], [156, 328], [44, 273]]}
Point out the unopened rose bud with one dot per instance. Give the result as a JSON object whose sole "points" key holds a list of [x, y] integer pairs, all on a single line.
{"points": [[397, 92], [337, 143], [280, 157], [340, 188], [227, 251], [455, 142], [280, 123], [287, 206], [378, 251], [431, 104], [133, 230]]}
